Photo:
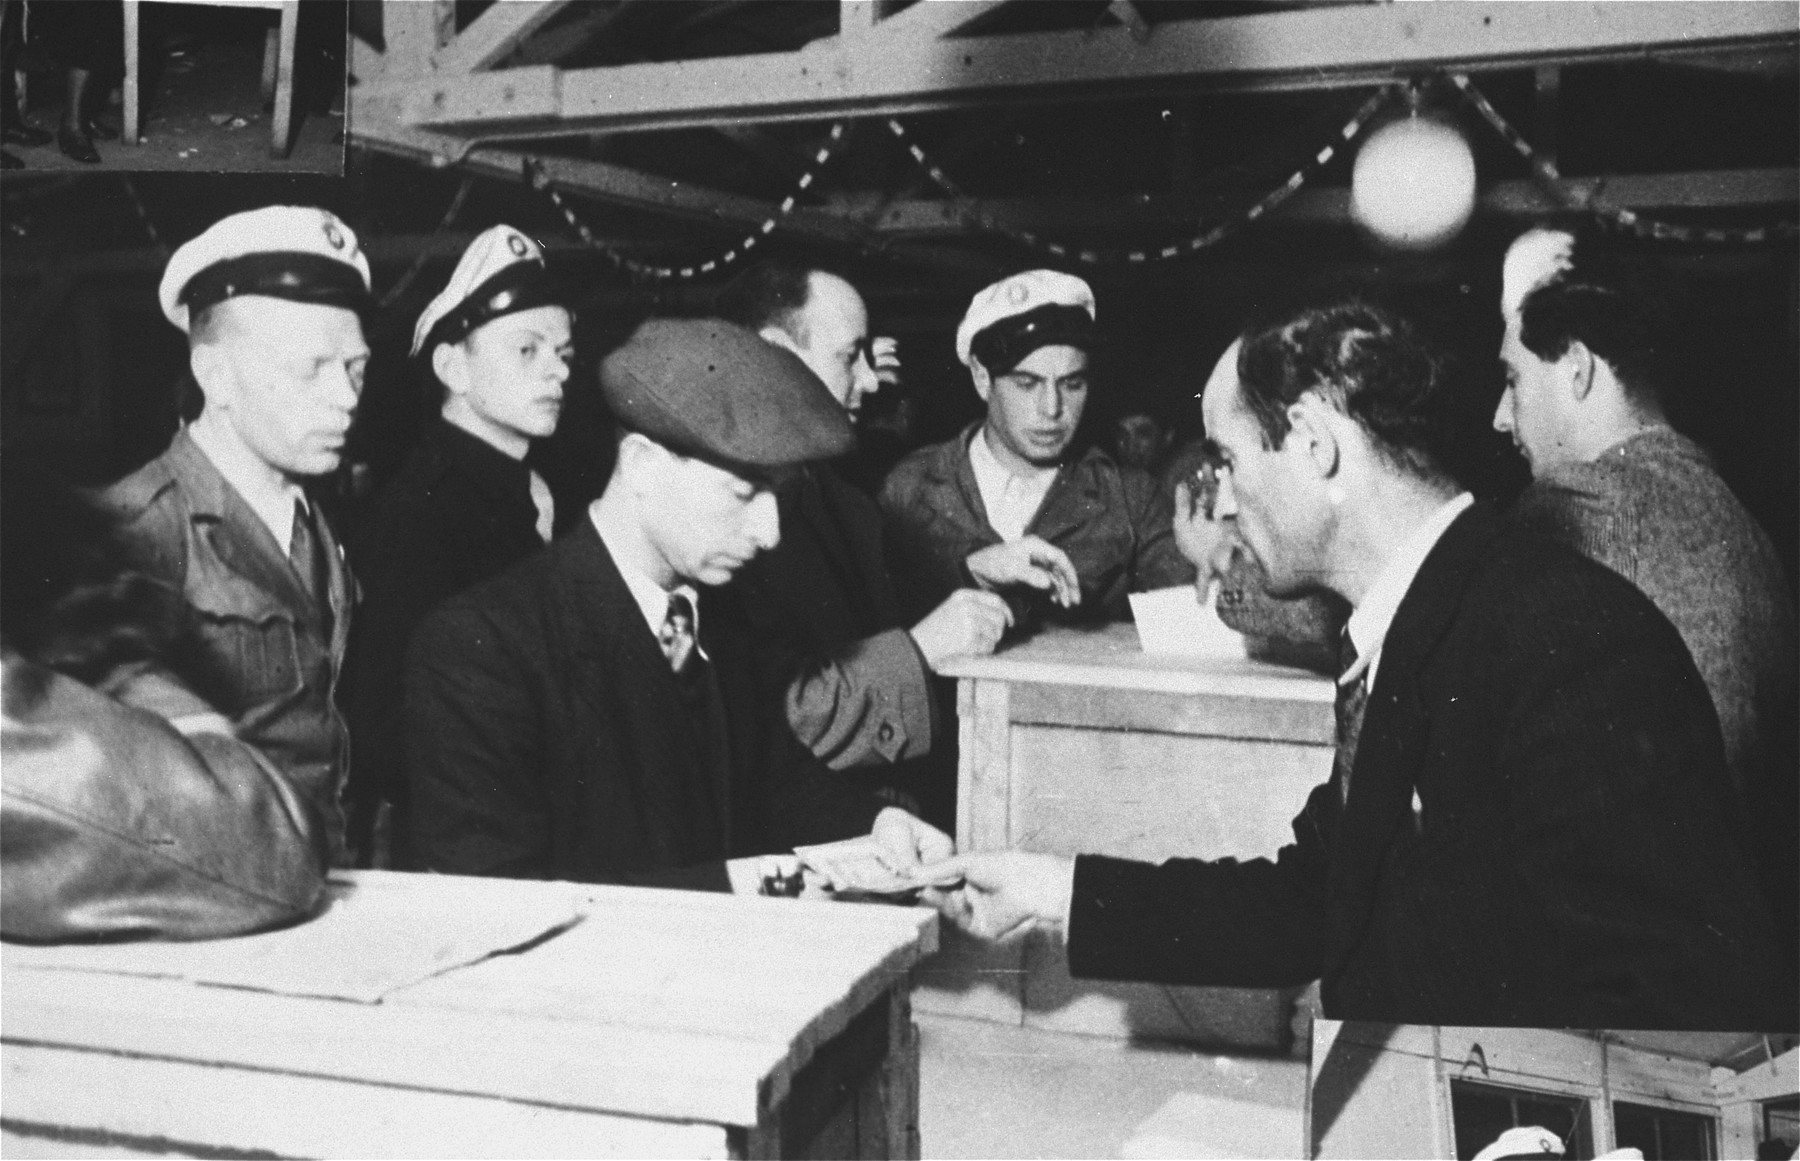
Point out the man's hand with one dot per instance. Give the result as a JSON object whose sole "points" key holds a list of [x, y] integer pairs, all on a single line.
{"points": [[1002, 892], [969, 621], [907, 841], [1029, 560], [1204, 541], [884, 356]]}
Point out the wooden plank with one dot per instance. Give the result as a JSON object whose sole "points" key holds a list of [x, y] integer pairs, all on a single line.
{"points": [[133, 100], [195, 1107], [938, 217], [1332, 46], [1109, 656], [984, 783], [925, 20], [282, 122], [412, 33], [1100, 708], [495, 34], [602, 1068], [1158, 796], [653, 983]]}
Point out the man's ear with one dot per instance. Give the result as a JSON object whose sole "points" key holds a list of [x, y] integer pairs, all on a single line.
{"points": [[213, 373], [450, 363], [984, 382], [780, 337], [1312, 421], [641, 461], [1577, 364]]}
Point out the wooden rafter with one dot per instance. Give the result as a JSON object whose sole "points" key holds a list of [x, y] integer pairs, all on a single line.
{"points": [[495, 34], [883, 71], [1738, 188]]}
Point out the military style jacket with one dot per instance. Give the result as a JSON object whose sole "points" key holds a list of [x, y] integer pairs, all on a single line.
{"points": [[828, 629], [1114, 523], [266, 656]]}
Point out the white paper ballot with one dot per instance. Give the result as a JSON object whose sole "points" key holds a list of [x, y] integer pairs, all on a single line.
{"points": [[1172, 623]]}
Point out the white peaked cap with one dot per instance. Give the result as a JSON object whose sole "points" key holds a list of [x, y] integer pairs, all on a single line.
{"points": [[278, 251], [1015, 295], [493, 251]]}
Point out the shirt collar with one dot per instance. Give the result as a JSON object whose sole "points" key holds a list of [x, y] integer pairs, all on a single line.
{"points": [[652, 599], [989, 471], [1369, 623], [272, 502]]}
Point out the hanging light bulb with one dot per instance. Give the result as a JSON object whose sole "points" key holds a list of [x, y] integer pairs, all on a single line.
{"points": [[1413, 185]]}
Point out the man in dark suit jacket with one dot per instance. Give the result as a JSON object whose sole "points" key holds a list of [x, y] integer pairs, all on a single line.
{"points": [[1527, 820], [582, 716], [821, 605]]}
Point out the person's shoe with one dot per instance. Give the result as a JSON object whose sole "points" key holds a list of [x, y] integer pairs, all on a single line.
{"points": [[101, 130], [8, 161], [28, 136], [77, 146]]}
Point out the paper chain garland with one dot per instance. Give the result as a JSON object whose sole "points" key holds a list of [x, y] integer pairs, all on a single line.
{"points": [[1352, 128], [535, 175], [1619, 216]]}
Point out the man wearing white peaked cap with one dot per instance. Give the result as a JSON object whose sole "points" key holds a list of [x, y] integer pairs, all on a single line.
{"points": [[464, 505], [272, 303]]}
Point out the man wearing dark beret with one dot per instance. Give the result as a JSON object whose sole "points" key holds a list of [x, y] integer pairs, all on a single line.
{"points": [[271, 301], [580, 716], [822, 606]]}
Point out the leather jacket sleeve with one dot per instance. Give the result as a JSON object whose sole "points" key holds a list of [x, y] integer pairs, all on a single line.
{"points": [[117, 821]]}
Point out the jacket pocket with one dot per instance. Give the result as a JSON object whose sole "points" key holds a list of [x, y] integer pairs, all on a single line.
{"points": [[248, 663]]}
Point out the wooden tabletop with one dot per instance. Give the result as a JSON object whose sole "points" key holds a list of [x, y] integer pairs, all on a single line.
{"points": [[1108, 656], [668, 1004]]}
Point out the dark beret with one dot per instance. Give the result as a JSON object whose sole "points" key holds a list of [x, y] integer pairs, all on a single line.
{"points": [[715, 390]]}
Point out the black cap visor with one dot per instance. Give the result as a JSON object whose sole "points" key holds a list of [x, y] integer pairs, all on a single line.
{"points": [[294, 275], [521, 286], [1005, 344]]}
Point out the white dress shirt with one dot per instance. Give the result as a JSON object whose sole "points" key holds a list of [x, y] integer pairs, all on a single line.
{"points": [[1369, 623], [652, 599], [545, 504], [271, 499], [1011, 500]]}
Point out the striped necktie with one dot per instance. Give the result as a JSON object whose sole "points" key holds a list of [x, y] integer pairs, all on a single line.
{"points": [[306, 552], [677, 634], [1352, 698]]}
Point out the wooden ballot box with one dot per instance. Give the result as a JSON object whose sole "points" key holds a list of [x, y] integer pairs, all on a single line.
{"points": [[618, 1022], [1075, 741]]}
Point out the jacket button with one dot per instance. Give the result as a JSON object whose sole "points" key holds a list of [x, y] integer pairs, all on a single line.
{"points": [[886, 732]]}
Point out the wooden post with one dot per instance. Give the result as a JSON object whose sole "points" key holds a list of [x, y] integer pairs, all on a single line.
{"points": [[282, 120], [133, 109]]}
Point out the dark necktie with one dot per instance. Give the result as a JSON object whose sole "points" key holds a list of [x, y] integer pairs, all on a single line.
{"points": [[1352, 697], [677, 634], [306, 552]]}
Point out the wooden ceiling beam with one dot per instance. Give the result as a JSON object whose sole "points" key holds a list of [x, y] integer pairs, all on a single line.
{"points": [[877, 73], [925, 20], [1721, 189], [495, 34]]}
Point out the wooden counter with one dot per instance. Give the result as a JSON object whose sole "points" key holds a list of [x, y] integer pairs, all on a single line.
{"points": [[663, 1023], [1076, 742]]}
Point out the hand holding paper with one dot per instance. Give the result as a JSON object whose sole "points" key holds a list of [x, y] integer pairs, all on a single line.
{"points": [[1000, 893]]}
